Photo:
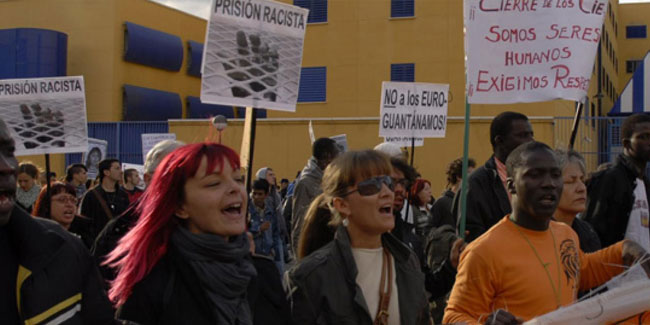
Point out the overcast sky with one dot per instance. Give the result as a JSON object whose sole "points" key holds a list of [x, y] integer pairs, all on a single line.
{"points": [[201, 8]]}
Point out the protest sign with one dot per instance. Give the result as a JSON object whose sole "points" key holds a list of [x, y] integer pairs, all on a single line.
{"points": [[405, 141], [45, 115], [341, 142], [139, 168], [533, 50], [253, 54], [413, 109], [151, 139], [93, 154]]}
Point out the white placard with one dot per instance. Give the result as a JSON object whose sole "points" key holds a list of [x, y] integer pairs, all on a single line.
{"points": [[95, 153], [45, 115], [405, 141], [253, 54], [139, 168], [341, 142], [413, 109], [529, 51], [151, 139]]}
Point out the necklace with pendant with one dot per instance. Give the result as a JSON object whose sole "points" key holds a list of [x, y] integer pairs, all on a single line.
{"points": [[556, 291]]}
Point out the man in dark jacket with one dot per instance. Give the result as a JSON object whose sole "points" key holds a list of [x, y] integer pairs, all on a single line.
{"points": [[46, 274], [107, 200], [324, 150], [487, 199], [617, 202]]}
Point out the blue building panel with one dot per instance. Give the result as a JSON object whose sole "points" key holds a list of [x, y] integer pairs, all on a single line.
{"points": [[402, 72], [32, 53], [195, 58], [131, 139], [152, 47], [146, 104], [313, 85], [402, 8], [197, 109], [636, 31], [317, 10]]}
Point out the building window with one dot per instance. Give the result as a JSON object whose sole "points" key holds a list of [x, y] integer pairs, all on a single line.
{"points": [[317, 10], [313, 85], [635, 31], [402, 8], [402, 72], [631, 65]]}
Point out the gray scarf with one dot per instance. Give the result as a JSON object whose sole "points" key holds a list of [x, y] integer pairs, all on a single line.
{"points": [[223, 269]]}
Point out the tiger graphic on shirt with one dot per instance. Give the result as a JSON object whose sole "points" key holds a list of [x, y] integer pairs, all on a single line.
{"points": [[570, 261]]}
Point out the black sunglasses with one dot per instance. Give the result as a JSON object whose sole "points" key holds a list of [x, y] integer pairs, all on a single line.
{"points": [[372, 186]]}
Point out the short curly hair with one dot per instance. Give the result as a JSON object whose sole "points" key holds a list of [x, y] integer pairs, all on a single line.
{"points": [[455, 170]]}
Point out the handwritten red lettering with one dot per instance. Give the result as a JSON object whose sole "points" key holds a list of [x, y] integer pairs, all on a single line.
{"points": [[509, 5], [564, 80], [513, 35], [597, 8], [577, 32]]}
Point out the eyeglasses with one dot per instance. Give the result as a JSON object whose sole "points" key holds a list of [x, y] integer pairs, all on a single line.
{"points": [[65, 199], [372, 186], [402, 181]]}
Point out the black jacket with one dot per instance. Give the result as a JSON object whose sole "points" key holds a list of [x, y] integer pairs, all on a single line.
{"points": [[323, 285], [487, 200], [266, 297], [610, 200], [92, 209], [170, 294], [441, 210], [108, 238], [57, 278]]}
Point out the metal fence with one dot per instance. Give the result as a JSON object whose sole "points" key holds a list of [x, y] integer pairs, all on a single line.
{"points": [[124, 139], [598, 138]]}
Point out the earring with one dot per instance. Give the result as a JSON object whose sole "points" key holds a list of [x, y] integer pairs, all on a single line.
{"points": [[345, 222]]}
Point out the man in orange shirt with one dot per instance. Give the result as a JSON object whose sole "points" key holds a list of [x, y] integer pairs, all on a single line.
{"points": [[528, 265]]}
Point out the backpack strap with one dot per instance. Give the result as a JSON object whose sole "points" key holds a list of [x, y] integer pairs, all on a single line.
{"points": [[102, 202], [385, 289]]}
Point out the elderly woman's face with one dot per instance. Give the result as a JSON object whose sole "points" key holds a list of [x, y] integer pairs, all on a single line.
{"points": [[574, 192], [215, 203]]}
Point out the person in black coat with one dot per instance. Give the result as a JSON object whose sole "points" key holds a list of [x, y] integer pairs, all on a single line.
{"points": [[612, 192], [487, 199], [441, 210], [46, 273], [187, 260]]}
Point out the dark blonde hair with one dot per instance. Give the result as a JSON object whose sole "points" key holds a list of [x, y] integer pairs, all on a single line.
{"points": [[345, 171]]}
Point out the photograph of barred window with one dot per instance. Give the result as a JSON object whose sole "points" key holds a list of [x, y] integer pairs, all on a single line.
{"points": [[251, 62]]}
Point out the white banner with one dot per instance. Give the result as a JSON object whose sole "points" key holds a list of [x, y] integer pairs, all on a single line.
{"points": [[405, 141], [45, 115], [151, 139], [253, 54], [94, 153], [529, 51], [413, 109], [341, 142]]}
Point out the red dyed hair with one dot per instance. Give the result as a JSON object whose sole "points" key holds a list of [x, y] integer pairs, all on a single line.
{"points": [[143, 246], [416, 188]]}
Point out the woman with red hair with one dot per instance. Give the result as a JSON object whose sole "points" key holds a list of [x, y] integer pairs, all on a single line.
{"points": [[421, 202], [186, 260]]}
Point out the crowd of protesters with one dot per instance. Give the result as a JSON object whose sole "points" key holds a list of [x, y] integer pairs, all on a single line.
{"points": [[356, 238]]}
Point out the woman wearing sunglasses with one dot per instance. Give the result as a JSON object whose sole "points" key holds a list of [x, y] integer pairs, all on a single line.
{"points": [[365, 275]]}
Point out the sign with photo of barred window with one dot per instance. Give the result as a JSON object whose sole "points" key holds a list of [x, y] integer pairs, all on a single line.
{"points": [[253, 54], [45, 115]]}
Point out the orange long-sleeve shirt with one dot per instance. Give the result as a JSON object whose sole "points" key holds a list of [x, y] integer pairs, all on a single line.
{"points": [[501, 270]]}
